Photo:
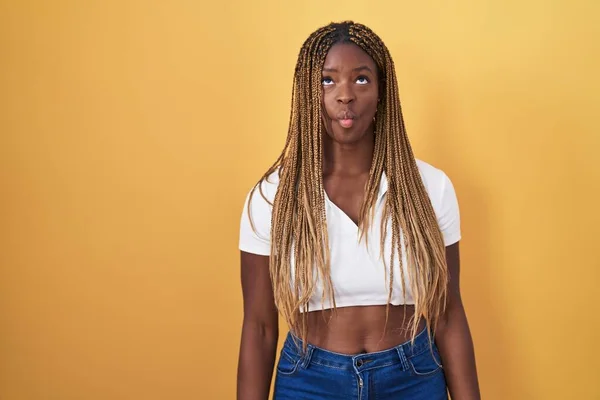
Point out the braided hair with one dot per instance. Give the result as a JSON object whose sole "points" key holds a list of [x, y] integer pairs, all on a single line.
{"points": [[299, 225]]}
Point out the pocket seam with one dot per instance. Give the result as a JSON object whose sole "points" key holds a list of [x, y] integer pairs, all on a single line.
{"points": [[289, 358], [424, 374]]}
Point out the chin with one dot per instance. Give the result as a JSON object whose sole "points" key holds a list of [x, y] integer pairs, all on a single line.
{"points": [[347, 136], [346, 139]]}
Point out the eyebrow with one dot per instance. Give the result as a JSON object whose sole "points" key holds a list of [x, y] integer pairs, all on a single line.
{"points": [[361, 68]]}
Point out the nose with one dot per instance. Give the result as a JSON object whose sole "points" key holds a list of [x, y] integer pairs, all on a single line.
{"points": [[345, 94]]}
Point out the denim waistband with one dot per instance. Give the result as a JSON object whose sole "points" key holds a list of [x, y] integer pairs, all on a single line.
{"points": [[364, 361]]}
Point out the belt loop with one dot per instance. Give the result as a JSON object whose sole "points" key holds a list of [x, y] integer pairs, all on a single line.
{"points": [[403, 359], [307, 356]]}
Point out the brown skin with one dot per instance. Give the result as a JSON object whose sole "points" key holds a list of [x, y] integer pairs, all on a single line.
{"points": [[260, 329], [453, 337], [350, 89]]}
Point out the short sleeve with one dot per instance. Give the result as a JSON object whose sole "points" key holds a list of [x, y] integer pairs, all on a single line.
{"points": [[257, 240], [448, 214]]}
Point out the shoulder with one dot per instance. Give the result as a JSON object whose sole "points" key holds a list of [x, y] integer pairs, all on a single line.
{"points": [[443, 199], [434, 179], [259, 199], [266, 188], [255, 224]]}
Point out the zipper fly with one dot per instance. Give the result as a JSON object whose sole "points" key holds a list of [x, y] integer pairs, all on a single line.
{"points": [[360, 387]]}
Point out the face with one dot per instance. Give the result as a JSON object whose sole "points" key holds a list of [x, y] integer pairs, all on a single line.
{"points": [[350, 93]]}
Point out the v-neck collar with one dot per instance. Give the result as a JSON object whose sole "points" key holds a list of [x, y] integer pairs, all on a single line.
{"points": [[342, 212], [383, 186]]}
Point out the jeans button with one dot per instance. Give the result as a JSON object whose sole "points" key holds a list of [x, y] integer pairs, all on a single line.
{"points": [[359, 363]]}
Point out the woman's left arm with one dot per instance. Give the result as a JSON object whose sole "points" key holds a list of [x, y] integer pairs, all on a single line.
{"points": [[453, 338]]}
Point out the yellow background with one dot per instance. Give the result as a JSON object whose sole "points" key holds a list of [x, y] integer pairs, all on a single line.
{"points": [[132, 130]]}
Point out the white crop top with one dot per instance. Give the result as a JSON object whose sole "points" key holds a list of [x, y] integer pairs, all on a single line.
{"points": [[357, 269]]}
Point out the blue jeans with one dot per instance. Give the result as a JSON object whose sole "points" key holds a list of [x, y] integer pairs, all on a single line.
{"points": [[406, 372]]}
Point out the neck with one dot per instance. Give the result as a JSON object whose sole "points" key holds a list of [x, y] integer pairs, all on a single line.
{"points": [[348, 159]]}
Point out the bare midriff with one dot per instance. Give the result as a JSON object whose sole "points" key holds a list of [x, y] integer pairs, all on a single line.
{"points": [[360, 329]]}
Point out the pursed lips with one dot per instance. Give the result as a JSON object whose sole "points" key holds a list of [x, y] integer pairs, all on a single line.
{"points": [[346, 118]]}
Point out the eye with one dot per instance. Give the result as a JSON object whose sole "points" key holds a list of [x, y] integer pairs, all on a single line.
{"points": [[362, 80], [327, 81]]}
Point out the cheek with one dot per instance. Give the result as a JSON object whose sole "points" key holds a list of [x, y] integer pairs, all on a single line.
{"points": [[328, 106], [371, 98], [374, 106], [327, 111]]}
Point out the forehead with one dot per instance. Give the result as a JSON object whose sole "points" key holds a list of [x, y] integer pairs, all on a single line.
{"points": [[347, 56]]}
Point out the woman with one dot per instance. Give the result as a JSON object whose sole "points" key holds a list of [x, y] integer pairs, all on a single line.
{"points": [[354, 242]]}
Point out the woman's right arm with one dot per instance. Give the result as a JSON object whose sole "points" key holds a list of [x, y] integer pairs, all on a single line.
{"points": [[260, 329]]}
